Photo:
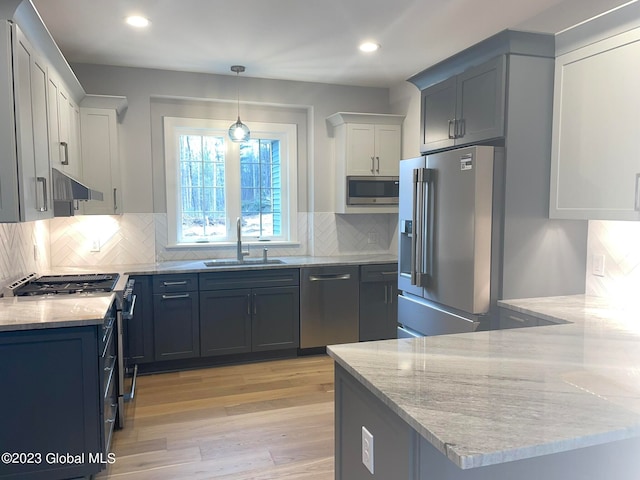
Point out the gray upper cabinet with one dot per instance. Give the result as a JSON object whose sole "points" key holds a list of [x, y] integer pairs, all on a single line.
{"points": [[466, 108], [595, 170], [25, 185]]}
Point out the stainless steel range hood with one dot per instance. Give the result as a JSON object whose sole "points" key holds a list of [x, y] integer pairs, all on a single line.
{"points": [[66, 190]]}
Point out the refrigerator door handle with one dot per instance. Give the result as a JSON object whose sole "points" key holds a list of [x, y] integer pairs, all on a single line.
{"points": [[427, 228], [415, 221], [421, 213]]}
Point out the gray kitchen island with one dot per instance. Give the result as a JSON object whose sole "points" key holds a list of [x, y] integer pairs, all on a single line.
{"points": [[553, 402]]}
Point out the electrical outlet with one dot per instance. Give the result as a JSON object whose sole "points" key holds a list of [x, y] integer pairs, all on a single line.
{"points": [[95, 245], [597, 267], [367, 449], [372, 237]]}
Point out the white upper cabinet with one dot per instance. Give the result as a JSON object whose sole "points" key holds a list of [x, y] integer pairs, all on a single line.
{"points": [[371, 149], [366, 144], [64, 129], [38, 126], [595, 171], [100, 152], [25, 183]]}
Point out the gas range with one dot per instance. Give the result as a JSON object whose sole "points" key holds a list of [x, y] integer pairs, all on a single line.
{"points": [[64, 284]]}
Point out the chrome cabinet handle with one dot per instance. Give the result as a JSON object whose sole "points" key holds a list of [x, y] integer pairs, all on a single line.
{"points": [[45, 200], [386, 295], [255, 306], [390, 294], [65, 148], [637, 202], [460, 128], [372, 164], [378, 168], [452, 135], [249, 304], [172, 297], [171, 284], [115, 199]]}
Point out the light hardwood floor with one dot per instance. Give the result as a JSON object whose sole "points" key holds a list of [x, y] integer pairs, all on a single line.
{"points": [[259, 421]]}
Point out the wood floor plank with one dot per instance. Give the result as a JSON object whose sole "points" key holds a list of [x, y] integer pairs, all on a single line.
{"points": [[259, 421]]}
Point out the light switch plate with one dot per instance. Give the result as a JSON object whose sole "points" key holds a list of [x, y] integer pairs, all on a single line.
{"points": [[367, 449]]}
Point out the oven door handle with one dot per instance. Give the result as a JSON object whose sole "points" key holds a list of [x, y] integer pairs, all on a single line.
{"points": [[128, 315]]}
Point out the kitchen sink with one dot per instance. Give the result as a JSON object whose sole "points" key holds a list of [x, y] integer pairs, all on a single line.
{"points": [[229, 262]]}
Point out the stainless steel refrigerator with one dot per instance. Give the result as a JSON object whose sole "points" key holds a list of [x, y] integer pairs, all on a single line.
{"points": [[449, 240]]}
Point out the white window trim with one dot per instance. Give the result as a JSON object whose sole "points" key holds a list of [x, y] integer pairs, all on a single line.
{"points": [[174, 126]]}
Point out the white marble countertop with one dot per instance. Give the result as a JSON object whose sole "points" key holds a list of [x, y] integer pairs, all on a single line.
{"points": [[24, 313], [28, 313], [485, 398]]}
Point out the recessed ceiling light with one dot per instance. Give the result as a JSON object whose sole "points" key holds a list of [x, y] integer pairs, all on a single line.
{"points": [[369, 47], [137, 21]]}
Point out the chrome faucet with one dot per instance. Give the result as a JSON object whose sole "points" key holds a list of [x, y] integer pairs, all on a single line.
{"points": [[240, 254]]}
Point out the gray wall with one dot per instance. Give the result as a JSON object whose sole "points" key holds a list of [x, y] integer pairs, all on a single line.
{"points": [[140, 134]]}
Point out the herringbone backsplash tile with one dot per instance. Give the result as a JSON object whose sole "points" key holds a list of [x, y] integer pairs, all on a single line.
{"points": [[24, 248], [618, 242]]}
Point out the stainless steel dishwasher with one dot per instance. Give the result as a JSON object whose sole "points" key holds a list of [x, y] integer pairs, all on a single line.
{"points": [[328, 305]]}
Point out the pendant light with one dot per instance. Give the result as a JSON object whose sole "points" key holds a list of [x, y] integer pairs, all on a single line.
{"points": [[238, 132]]}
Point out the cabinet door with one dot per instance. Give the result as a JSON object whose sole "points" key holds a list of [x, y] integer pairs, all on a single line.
{"points": [[100, 159], [360, 149], [225, 321], [378, 311], [595, 168], [438, 113], [276, 318], [34, 168], [55, 404], [176, 325], [64, 128], [480, 102], [388, 149], [138, 341]]}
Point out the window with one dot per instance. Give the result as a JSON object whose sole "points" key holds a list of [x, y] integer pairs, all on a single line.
{"points": [[212, 181]]}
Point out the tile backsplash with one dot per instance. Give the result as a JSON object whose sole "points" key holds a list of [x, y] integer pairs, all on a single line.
{"points": [[24, 248], [617, 244], [102, 240], [142, 238]]}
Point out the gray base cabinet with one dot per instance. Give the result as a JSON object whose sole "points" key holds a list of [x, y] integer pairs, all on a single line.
{"points": [[138, 335], [393, 439], [276, 318], [401, 453], [378, 302], [58, 401], [225, 322], [264, 316], [176, 321]]}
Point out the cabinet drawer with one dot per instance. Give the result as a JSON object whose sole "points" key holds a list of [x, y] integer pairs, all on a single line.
{"points": [[387, 272], [250, 279], [175, 283]]}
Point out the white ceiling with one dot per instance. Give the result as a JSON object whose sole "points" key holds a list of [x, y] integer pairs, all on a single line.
{"points": [[304, 40]]}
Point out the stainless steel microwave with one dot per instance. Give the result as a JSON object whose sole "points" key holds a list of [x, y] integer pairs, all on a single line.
{"points": [[373, 190]]}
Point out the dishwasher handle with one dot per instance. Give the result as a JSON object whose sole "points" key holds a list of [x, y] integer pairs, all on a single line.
{"points": [[328, 277]]}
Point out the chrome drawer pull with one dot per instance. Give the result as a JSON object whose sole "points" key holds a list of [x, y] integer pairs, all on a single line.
{"points": [[172, 297]]}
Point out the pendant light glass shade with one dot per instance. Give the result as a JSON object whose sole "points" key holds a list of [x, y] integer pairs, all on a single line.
{"points": [[238, 131]]}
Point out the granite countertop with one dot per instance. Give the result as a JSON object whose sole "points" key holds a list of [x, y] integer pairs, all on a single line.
{"points": [[29, 313], [25, 313], [485, 398], [198, 266]]}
